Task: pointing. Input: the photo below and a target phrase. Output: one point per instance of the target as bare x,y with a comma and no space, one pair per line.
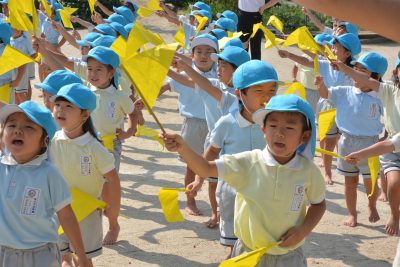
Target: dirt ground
146,239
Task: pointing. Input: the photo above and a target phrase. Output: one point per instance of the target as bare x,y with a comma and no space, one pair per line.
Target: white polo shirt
251,5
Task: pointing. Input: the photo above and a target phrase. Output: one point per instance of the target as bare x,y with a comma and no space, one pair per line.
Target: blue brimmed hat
350,28
252,73
219,33
57,79
291,103
373,62
116,18
5,33
204,39
126,13
202,6
105,29
105,40
203,13
226,24
323,38
128,27
234,42
79,95
230,15
232,54
103,55
36,113
120,29
90,37
348,41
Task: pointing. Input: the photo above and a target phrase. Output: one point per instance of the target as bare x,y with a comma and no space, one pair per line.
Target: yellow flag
12,58
91,5
202,22
169,203
19,20
373,164
147,132
304,40
297,89
237,34
269,44
267,33
119,47
5,93
147,71
139,36
329,53
330,153
83,205
70,10
325,122
316,66
276,23
144,12
65,18
35,19
154,5
108,141
47,8
250,259
180,37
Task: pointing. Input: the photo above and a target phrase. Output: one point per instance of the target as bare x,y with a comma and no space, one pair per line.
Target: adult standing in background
250,13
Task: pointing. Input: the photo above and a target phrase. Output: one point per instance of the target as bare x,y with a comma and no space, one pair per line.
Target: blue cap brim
46,87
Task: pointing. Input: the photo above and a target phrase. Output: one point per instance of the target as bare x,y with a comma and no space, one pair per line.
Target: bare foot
351,221
111,236
212,222
193,210
383,197
328,179
373,214
67,260
392,226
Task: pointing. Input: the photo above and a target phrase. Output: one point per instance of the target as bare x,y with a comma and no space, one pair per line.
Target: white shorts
47,255
390,162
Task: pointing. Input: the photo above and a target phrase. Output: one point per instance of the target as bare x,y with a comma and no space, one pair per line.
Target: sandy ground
146,239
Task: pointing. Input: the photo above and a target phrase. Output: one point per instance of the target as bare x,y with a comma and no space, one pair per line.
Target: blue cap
79,95
234,42
4,2
126,13
105,29
350,28
119,29
373,62
291,103
5,33
56,7
117,18
348,41
323,38
57,79
104,55
397,63
36,113
104,40
219,33
128,27
230,15
203,13
90,37
133,4
202,6
252,73
204,39
232,54
226,24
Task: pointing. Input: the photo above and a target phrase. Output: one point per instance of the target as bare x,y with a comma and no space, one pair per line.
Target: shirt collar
9,160
80,141
243,123
111,89
269,159
371,93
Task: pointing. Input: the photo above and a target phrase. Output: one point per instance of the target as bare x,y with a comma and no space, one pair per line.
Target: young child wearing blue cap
76,144
5,36
389,94
358,117
273,185
32,192
344,47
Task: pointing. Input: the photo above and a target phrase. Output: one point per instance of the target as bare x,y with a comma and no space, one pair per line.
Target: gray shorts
226,196
31,70
348,144
92,236
207,143
312,98
194,132
294,258
390,162
47,255
117,152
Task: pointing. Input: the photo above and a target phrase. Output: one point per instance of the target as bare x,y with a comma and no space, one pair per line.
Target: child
273,185
389,93
358,115
5,35
32,192
77,145
344,47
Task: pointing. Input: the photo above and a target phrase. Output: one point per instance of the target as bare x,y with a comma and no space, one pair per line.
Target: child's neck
104,86
203,69
282,160
22,159
246,114
74,133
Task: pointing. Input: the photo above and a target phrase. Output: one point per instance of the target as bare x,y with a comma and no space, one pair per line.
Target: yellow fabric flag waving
250,259
180,37
297,89
12,58
325,122
83,205
304,40
91,5
329,153
139,36
373,164
147,71
5,93
169,203
277,23
202,22
267,33
147,132
144,12
119,47
65,18
47,8
19,20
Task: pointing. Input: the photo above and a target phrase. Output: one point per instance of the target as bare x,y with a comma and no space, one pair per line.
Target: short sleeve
235,169
126,104
324,67
60,193
334,93
316,189
396,142
218,133
386,90
228,100
104,160
80,68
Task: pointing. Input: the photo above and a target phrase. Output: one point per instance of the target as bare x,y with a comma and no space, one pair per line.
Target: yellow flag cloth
119,47
147,71
144,12
329,153
277,23
202,22
154,5
169,203
180,37
147,132
297,89
12,58
250,259
267,33
91,5
374,167
65,18
83,205
108,141
304,40
269,44
20,21
139,36
237,34
316,67
35,19
325,122
70,10
329,52
47,8
5,93
39,57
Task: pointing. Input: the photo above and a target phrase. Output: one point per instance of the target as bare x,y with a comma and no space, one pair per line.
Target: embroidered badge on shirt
86,165
298,197
373,110
111,108
30,201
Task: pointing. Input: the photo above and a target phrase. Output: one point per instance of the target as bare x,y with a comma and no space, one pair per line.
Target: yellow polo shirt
271,198
112,105
82,161
389,94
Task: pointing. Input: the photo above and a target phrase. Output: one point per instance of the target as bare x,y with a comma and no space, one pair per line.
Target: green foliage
83,7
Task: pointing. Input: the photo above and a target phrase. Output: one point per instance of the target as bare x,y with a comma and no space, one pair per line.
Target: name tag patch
111,108
30,201
86,165
298,197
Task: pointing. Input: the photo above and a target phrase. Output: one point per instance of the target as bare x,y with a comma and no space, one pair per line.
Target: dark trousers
245,25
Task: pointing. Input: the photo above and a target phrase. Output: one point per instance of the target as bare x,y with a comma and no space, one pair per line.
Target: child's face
364,71
22,137
46,100
340,52
225,72
68,116
201,57
283,132
256,96
99,74
85,50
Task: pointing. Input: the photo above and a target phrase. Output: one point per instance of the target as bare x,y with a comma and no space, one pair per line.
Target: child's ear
306,136
238,94
85,114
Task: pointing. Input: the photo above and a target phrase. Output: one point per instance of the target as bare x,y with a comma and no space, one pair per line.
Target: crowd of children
254,146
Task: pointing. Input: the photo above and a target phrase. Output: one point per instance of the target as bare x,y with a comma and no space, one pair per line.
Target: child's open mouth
279,145
17,142
61,118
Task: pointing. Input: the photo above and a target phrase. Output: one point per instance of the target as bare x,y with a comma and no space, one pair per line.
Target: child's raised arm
182,79
103,8
313,19
299,59
67,36
322,90
84,23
